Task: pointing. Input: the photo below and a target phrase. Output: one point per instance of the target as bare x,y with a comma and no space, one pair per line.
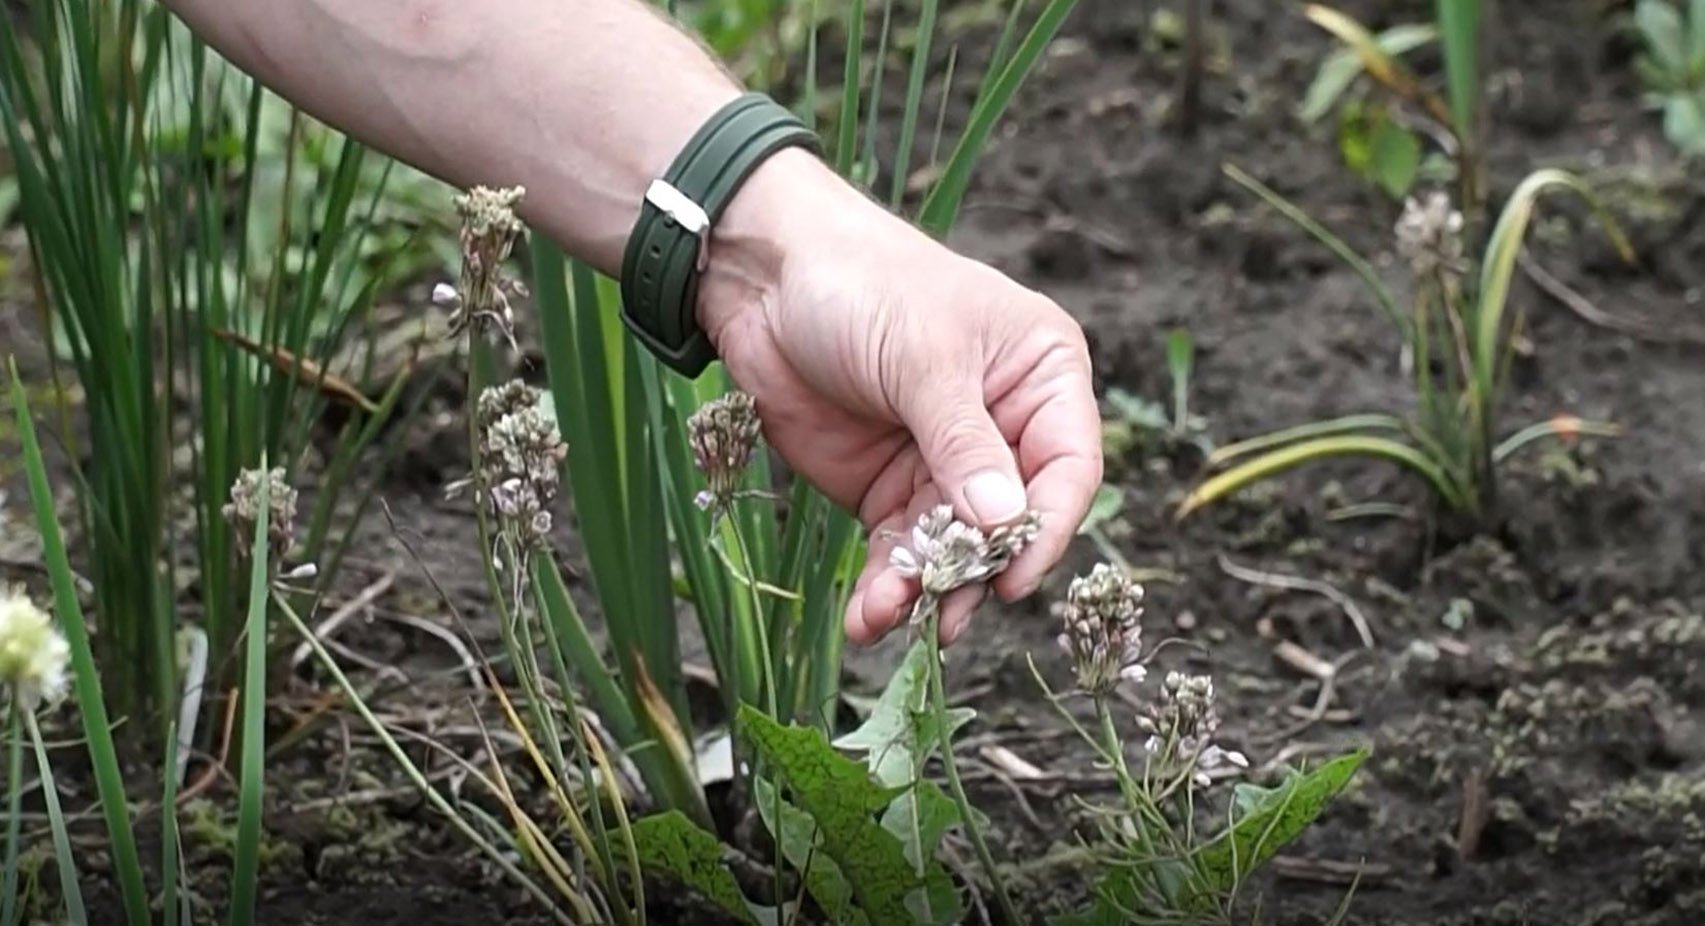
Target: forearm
583,102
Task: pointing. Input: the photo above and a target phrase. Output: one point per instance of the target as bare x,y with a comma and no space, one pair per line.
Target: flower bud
1103,629
723,434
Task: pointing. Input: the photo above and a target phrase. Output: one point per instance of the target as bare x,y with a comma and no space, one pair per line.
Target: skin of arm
891,372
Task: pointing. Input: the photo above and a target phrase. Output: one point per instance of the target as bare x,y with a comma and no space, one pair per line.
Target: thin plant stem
758,615
938,699
1115,748
431,794
14,807
760,620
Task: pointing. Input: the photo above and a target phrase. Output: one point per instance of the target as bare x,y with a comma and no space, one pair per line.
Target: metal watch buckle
686,213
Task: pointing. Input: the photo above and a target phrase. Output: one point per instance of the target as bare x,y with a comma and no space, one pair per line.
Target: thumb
968,458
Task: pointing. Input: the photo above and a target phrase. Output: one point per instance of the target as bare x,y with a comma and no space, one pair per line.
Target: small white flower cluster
723,433
1182,725
489,231
1103,629
243,510
947,553
33,653
521,453
1429,235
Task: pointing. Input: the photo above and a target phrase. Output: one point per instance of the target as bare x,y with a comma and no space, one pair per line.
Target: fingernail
994,497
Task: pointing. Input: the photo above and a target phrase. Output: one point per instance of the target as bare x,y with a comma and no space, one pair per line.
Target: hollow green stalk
956,787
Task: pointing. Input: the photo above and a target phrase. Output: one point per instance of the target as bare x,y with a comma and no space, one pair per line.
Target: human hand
896,375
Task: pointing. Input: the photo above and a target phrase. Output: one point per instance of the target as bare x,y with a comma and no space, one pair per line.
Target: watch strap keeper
673,239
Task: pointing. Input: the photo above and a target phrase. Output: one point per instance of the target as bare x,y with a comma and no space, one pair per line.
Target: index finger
1059,453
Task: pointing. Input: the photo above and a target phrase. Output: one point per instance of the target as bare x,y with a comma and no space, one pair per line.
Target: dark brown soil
1544,682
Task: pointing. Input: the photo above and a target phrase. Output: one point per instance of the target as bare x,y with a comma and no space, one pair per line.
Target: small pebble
1186,620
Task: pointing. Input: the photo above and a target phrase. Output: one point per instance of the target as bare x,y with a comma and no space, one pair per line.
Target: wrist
789,202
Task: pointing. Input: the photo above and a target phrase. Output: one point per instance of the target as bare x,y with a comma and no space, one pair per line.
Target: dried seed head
1009,540
521,454
947,553
489,230
1429,235
1186,719
1103,632
723,433
243,510
33,654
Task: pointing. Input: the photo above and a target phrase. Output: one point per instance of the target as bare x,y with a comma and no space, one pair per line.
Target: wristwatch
673,239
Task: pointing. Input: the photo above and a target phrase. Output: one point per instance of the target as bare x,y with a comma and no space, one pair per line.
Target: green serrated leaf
670,844
802,845
1395,158
1271,818
842,799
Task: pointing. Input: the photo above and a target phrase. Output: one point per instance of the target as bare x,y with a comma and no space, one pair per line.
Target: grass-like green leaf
941,208
1332,242
245,872
671,844
1696,39
1562,426
97,731
1332,426
1272,463
1503,248
71,894
1271,819
842,799
1344,65
1459,33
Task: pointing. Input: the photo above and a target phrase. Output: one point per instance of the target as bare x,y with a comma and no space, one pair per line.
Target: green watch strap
671,241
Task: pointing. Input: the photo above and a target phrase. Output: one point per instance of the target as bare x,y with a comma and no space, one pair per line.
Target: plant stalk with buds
947,554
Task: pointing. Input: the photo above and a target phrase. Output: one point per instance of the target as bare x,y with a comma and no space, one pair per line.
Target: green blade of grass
941,208
252,765
1268,465
914,101
1343,66
66,862
1562,426
14,808
1502,249
1301,432
103,757
1459,31
846,143
1332,242
169,833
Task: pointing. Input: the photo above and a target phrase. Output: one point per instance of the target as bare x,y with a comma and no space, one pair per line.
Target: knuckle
958,440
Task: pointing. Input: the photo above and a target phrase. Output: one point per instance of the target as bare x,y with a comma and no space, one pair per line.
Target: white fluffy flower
946,553
33,653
